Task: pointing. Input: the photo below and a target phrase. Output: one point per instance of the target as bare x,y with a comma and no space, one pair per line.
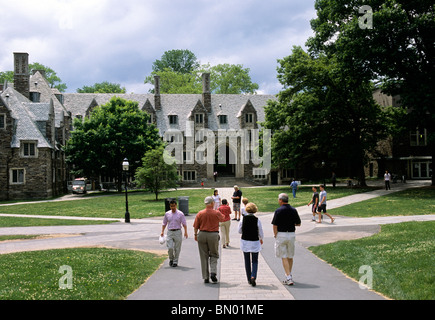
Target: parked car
79,186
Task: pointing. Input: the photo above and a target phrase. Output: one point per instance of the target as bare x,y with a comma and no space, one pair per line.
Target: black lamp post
125,168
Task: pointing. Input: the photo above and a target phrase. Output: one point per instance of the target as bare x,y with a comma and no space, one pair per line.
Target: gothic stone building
34,125
187,121
36,121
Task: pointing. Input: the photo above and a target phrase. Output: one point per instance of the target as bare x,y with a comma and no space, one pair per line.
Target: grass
416,201
10,222
143,205
97,274
401,256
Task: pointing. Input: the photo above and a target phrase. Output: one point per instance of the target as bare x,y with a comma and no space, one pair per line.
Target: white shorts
285,245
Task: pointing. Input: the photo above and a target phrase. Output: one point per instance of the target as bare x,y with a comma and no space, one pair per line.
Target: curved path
314,279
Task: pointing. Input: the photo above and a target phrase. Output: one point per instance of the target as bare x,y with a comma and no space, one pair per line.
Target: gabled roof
39,84
25,127
178,104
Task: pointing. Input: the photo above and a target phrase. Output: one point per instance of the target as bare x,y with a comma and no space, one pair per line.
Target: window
418,138
150,119
187,156
189,175
18,176
260,173
173,119
223,119
199,118
2,121
29,149
249,118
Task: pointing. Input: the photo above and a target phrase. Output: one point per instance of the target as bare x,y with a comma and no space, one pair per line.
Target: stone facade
34,126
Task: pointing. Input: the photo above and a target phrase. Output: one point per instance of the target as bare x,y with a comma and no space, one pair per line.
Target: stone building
189,122
34,126
408,155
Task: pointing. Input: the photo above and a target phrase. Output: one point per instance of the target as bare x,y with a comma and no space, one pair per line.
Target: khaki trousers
208,245
225,231
174,239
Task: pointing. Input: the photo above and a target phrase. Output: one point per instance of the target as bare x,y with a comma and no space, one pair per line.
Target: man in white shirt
387,178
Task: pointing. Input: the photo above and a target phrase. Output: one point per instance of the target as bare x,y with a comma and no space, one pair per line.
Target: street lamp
125,168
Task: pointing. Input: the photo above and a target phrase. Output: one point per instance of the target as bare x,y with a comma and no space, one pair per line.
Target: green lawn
143,205
417,201
402,257
97,274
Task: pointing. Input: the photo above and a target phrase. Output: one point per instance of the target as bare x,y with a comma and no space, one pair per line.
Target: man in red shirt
206,230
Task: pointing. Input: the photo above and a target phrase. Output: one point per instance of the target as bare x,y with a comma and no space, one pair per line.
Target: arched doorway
225,162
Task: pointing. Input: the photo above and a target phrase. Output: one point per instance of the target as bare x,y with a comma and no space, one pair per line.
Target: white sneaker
288,281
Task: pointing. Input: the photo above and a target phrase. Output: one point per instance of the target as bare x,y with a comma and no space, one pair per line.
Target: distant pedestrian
174,219
252,238
315,203
333,179
387,178
206,231
215,175
322,205
285,221
294,187
217,200
226,224
237,198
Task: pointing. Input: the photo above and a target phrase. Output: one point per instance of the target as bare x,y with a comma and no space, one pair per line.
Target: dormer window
199,118
35,97
173,119
249,118
223,119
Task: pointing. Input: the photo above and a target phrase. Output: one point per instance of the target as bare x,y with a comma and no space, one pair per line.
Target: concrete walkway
314,279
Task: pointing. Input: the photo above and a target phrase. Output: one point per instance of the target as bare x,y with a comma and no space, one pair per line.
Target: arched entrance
225,162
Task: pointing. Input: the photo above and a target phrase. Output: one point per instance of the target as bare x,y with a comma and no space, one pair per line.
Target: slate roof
177,104
25,127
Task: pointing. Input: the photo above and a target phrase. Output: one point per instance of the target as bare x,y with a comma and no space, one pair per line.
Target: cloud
89,41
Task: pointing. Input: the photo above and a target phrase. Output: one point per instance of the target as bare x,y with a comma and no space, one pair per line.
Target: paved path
314,279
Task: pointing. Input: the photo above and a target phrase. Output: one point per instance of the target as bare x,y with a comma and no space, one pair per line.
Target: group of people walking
215,216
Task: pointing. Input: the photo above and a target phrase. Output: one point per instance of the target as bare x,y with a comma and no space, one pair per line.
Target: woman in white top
252,238
217,200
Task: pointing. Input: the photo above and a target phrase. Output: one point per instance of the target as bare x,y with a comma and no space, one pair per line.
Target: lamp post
125,168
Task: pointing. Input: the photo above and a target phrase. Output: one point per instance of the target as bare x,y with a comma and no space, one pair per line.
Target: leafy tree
180,72
50,75
114,131
6,76
155,174
322,114
231,79
396,47
103,87
172,82
179,61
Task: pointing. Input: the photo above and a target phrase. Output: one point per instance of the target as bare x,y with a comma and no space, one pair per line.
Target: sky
91,41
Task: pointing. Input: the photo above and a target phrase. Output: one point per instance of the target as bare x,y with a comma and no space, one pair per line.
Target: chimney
157,97
21,73
206,94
